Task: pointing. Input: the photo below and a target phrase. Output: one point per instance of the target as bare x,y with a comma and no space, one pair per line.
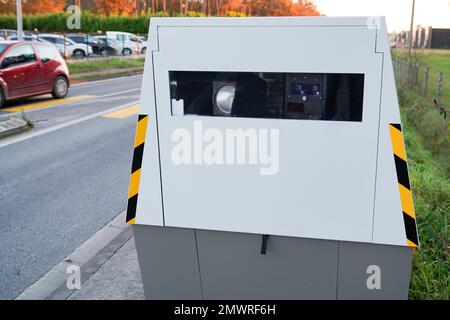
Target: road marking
47,103
62,125
123,113
97,98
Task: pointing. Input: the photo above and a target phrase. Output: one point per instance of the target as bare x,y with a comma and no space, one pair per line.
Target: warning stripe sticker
133,191
404,186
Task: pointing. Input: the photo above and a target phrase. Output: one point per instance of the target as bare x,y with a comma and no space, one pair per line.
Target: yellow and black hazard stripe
133,191
404,186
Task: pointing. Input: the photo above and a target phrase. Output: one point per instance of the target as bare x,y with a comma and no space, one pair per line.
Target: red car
29,69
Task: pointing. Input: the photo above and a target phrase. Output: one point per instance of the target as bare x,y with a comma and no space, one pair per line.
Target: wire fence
87,45
432,85
424,93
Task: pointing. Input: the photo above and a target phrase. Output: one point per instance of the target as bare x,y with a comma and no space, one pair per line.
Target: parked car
126,43
35,38
6,33
98,46
31,68
63,43
115,44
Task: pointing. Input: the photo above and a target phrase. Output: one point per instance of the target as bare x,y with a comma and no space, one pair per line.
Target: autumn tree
33,6
171,7
107,7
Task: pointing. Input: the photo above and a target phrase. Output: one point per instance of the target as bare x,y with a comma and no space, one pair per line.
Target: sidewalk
118,278
108,266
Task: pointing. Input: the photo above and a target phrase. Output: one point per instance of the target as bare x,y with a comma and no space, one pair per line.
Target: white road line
41,132
94,98
88,83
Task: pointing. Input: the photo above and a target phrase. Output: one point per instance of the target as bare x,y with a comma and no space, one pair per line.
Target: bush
57,22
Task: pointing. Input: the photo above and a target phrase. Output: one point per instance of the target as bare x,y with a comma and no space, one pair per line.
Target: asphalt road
65,179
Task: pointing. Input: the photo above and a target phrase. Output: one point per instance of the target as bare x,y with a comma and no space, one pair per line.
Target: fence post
425,85
441,81
87,46
138,44
416,77
410,74
400,70
65,48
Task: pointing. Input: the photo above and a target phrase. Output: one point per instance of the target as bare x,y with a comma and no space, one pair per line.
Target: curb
12,125
89,257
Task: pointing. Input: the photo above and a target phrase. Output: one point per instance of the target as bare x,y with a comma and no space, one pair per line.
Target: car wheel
60,87
2,97
79,53
104,52
144,50
127,52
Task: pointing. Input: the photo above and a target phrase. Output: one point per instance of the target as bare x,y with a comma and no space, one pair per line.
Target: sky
435,13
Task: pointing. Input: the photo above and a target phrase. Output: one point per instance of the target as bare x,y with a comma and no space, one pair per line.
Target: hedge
90,22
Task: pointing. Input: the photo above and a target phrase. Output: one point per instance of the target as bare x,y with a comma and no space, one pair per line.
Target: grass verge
99,64
438,61
428,154
104,68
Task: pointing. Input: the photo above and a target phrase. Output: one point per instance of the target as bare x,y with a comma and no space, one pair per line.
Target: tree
108,7
172,7
33,6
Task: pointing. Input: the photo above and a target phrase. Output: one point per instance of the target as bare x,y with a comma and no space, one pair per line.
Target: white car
33,38
126,43
68,47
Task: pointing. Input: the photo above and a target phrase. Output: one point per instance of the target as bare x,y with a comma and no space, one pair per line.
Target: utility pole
19,20
412,27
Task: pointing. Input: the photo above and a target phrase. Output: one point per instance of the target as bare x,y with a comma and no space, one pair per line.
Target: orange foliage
107,7
209,7
33,6
282,8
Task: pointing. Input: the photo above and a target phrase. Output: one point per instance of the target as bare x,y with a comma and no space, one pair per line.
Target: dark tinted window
24,38
50,39
78,39
46,53
54,40
3,47
19,55
306,96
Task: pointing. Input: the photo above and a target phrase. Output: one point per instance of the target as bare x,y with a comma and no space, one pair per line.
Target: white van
126,43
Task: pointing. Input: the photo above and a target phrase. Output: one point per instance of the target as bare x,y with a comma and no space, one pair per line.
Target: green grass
93,65
429,173
428,148
438,61
431,188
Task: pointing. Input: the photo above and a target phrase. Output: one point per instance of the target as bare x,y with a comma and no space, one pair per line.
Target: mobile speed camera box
269,162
